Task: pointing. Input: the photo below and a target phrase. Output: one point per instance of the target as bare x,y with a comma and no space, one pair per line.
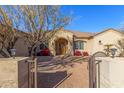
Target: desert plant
9,22
108,49
120,47
41,23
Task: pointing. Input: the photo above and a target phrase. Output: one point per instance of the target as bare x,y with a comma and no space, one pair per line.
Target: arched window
79,45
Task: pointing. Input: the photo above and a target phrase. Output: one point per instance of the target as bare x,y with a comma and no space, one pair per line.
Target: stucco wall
111,72
108,37
89,46
13,72
21,47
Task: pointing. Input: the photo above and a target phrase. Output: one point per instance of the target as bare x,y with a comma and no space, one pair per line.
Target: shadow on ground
49,80
52,72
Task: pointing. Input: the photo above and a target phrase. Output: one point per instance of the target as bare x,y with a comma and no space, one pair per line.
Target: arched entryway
61,46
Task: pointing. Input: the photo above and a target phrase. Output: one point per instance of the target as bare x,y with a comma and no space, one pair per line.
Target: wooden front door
61,46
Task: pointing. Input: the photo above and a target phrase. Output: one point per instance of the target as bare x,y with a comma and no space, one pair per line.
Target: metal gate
94,69
32,73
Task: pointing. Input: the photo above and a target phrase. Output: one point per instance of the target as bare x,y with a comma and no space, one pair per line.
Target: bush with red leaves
45,52
85,53
77,53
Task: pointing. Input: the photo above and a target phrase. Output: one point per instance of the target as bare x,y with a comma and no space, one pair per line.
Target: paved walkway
51,75
79,77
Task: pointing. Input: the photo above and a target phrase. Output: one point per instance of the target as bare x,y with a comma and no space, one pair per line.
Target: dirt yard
53,77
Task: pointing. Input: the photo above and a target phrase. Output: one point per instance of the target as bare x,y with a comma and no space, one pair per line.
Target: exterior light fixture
100,42
113,52
13,53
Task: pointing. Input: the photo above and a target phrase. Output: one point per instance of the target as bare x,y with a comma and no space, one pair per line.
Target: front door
61,46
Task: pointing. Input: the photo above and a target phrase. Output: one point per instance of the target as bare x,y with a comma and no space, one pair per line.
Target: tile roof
79,34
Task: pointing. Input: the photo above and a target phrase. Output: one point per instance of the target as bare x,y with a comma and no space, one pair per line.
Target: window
79,45
82,45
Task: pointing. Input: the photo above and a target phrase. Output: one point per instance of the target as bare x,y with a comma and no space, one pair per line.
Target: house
66,41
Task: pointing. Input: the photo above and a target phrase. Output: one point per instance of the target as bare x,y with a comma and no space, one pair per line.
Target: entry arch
61,46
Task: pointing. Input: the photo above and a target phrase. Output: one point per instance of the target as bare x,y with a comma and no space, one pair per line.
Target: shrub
45,52
85,53
77,53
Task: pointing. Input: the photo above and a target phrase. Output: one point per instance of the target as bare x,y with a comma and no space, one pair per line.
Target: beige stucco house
66,41
107,37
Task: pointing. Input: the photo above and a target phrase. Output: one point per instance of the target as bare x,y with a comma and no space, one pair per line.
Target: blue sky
94,18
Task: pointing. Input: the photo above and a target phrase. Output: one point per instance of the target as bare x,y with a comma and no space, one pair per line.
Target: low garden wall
13,72
111,72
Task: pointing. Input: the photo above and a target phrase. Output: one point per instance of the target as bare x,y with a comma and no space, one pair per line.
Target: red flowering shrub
45,52
77,53
85,53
